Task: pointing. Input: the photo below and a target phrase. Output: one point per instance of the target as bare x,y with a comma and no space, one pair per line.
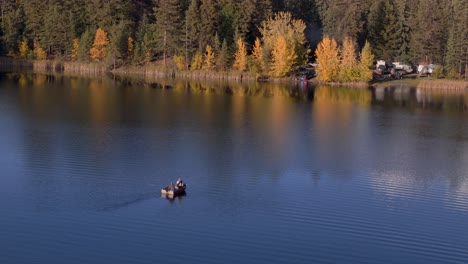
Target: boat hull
178,191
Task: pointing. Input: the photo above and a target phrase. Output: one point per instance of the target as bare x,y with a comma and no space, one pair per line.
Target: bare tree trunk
186,47
164,48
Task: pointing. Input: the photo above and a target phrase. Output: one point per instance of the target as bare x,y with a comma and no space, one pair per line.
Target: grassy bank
443,85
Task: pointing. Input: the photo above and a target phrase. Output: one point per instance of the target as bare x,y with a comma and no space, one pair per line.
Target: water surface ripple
276,174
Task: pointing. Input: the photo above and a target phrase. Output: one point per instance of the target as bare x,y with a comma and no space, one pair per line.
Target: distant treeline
141,31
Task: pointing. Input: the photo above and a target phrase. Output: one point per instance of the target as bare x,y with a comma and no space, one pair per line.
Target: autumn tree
99,50
197,61
24,49
283,57
328,59
366,61
76,46
257,57
39,53
180,62
130,48
292,31
209,62
240,57
348,70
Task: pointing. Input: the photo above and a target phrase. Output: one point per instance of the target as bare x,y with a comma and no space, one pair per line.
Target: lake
276,173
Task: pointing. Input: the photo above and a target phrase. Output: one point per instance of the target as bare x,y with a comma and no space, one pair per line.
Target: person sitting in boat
171,187
179,183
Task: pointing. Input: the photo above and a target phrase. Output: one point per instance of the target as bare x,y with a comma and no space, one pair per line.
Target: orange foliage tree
257,57
99,50
283,58
240,57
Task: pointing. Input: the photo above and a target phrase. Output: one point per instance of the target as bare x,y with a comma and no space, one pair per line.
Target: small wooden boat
174,191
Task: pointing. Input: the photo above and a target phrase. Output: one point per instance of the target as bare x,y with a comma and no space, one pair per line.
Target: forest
141,31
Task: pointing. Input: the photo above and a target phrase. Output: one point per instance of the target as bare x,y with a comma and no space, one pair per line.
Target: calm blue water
275,174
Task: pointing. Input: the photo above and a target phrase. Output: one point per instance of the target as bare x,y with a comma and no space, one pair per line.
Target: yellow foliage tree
180,62
99,50
283,58
197,62
240,57
209,58
348,69
257,56
291,29
76,47
366,62
328,59
24,49
39,53
130,47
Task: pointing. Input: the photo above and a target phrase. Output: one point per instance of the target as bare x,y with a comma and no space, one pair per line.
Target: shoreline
155,71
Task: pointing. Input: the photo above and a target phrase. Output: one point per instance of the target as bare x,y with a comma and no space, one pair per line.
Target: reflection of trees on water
443,101
358,96
248,89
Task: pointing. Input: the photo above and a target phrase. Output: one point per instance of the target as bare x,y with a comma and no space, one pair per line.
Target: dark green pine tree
209,22
35,14
341,18
76,10
118,43
261,13
301,9
168,23
386,30
58,27
192,29
456,56
13,26
428,34
105,13
86,42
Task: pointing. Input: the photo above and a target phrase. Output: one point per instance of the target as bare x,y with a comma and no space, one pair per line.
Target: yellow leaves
291,29
99,50
39,53
76,46
328,60
180,62
366,62
130,47
24,49
257,57
209,58
240,57
366,56
342,66
283,58
348,71
197,62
